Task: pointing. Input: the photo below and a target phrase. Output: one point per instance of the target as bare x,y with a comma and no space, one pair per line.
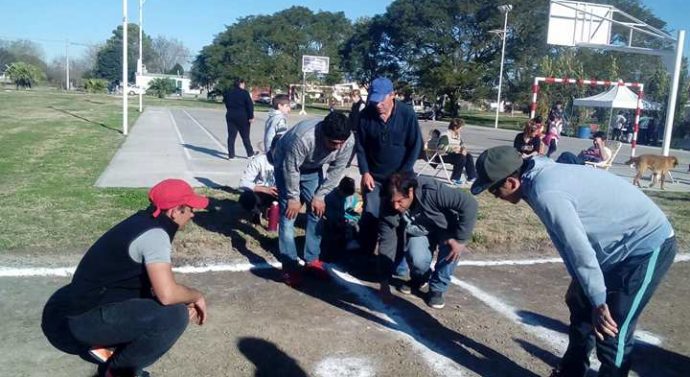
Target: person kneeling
258,184
430,214
123,307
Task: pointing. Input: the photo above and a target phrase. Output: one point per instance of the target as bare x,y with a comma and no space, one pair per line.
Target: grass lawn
511,122
55,146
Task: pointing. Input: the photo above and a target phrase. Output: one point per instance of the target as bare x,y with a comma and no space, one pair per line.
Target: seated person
430,147
528,142
550,140
343,211
598,153
258,184
457,154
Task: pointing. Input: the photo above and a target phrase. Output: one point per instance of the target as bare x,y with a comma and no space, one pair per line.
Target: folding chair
615,147
434,150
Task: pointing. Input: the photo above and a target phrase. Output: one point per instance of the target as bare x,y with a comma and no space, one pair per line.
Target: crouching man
424,213
123,307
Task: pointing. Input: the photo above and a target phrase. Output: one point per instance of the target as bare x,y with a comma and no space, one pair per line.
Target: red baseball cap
171,193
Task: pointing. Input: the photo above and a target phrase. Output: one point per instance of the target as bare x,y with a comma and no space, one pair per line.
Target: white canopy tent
618,97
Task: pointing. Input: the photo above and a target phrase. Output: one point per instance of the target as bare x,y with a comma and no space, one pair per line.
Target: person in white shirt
258,184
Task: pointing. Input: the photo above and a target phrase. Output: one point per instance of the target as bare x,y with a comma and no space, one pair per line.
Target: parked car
423,109
135,90
264,98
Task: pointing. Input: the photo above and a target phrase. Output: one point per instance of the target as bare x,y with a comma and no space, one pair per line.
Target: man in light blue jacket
615,242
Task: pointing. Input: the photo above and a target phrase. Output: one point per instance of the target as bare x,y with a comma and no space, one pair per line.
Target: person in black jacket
239,115
388,140
357,106
425,213
123,308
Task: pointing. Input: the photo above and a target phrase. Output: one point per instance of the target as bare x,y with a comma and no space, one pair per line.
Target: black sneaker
405,287
436,300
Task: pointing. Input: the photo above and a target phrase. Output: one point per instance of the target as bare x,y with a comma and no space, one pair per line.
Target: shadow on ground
86,119
269,359
211,152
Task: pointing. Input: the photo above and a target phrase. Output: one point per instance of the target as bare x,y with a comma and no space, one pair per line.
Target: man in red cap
123,307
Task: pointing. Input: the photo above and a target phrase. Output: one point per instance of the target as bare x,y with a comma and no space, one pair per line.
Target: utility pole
504,9
123,84
140,62
67,65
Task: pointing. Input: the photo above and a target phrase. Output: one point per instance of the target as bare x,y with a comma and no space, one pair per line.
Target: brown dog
659,165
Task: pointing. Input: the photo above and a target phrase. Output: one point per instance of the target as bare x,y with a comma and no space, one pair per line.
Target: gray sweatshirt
594,218
276,124
444,212
303,149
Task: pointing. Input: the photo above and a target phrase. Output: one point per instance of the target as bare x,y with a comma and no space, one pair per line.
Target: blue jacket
594,218
390,147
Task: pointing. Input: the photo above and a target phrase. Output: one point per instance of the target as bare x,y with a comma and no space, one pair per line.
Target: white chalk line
441,364
68,271
344,367
179,135
556,340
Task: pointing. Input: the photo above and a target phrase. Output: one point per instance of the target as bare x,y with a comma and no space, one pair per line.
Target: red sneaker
101,354
293,278
317,269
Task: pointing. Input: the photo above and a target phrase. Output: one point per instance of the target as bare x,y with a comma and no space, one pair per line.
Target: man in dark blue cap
388,141
616,263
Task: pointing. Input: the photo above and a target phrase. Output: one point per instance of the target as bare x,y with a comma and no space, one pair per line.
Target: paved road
190,143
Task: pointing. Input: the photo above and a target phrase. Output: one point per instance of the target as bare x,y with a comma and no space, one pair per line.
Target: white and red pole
636,127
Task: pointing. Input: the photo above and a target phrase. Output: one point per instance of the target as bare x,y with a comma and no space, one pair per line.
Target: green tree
21,51
162,87
24,75
176,70
267,50
109,58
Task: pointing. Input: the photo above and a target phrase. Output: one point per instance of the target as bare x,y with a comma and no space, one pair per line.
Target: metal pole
67,65
140,63
671,107
123,85
304,83
500,74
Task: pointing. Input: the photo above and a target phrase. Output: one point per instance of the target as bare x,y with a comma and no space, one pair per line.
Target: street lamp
504,9
123,84
140,62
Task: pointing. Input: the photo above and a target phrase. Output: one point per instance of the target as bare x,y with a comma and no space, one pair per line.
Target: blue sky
195,23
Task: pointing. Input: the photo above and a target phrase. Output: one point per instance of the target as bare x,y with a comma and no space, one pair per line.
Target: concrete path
190,143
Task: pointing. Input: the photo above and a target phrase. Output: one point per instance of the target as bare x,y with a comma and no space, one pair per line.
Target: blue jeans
143,330
308,184
419,253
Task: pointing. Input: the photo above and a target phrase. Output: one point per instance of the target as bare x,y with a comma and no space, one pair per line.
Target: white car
135,90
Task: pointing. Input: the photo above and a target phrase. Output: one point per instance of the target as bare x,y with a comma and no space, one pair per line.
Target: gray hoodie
276,124
594,218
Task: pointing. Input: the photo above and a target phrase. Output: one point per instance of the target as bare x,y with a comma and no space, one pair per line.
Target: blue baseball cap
379,89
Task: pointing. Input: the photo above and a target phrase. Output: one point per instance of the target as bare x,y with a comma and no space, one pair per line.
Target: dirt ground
507,320
260,327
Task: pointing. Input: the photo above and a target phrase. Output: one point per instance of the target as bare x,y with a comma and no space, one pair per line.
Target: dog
659,165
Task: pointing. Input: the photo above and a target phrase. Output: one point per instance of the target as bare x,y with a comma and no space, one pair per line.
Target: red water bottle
273,216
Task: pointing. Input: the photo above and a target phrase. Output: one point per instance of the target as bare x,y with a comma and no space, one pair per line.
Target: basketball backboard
575,22
315,64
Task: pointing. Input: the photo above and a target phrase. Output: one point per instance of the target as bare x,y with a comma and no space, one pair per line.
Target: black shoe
436,300
409,286
405,287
